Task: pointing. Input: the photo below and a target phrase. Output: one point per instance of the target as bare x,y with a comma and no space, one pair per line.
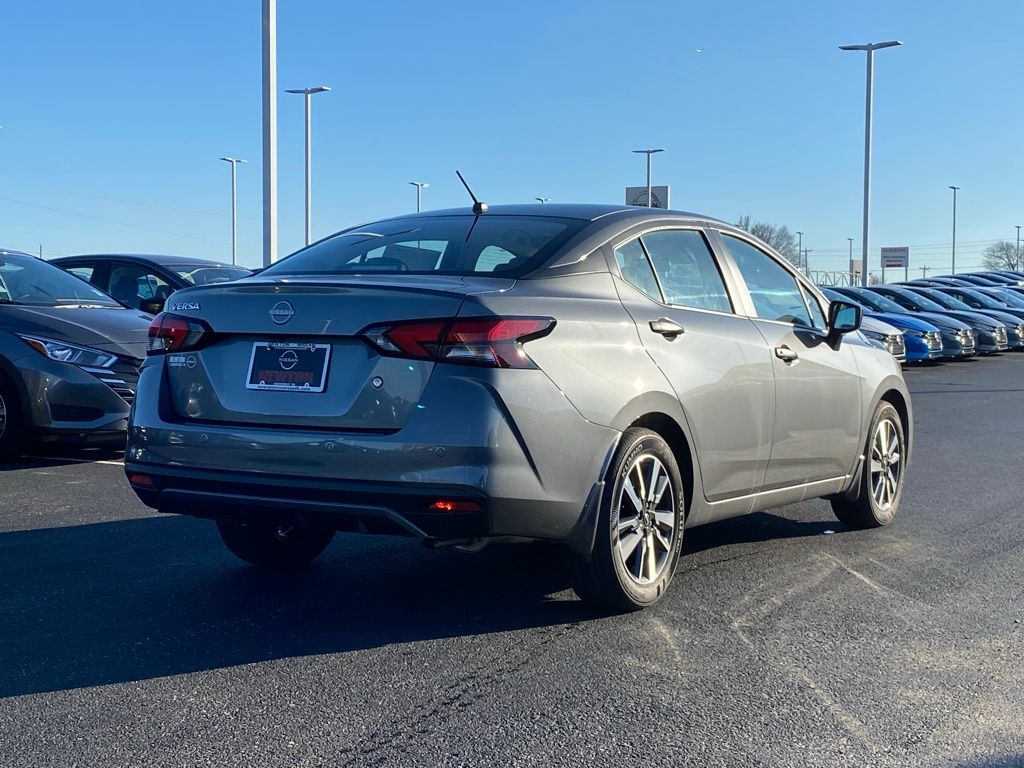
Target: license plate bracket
279,366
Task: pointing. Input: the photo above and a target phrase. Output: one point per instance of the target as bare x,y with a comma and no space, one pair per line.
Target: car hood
944,321
121,331
906,322
875,324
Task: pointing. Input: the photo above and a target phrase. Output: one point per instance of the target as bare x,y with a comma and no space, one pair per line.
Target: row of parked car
73,335
942,318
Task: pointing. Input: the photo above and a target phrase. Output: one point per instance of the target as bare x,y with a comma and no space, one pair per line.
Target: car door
715,360
817,433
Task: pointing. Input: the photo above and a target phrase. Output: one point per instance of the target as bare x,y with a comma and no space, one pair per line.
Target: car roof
8,252
584,211
152,258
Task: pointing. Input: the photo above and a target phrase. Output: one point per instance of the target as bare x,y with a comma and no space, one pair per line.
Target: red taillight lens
171,333
445,505
492,341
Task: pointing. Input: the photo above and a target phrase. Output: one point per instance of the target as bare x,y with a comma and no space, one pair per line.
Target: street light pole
269,132
799,246
870,48
850,265
234,206
954,226
648,152
420,185
1016,258
307,94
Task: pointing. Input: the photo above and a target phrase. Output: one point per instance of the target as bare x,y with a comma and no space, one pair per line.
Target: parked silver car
593,375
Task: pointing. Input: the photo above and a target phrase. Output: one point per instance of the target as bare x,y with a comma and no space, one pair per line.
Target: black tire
273,545
863,508
14,437
609,580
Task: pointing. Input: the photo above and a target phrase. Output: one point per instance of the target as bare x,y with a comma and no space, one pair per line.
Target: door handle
786,355
667,328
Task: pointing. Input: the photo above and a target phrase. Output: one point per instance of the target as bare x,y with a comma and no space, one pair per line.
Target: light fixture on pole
420,186
648,152
269,132
870,48
543,200
307,94
954,226
234,206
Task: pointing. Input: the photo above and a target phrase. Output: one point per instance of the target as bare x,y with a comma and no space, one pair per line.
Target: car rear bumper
506,440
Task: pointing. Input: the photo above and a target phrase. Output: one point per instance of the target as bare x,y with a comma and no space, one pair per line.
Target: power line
109,221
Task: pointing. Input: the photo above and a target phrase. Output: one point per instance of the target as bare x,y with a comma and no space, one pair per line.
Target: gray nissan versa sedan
69,356
598,376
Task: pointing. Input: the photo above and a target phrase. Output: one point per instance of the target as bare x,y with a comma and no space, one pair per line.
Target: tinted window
492,244
774,291
687,270
198,275
636,269
83,272
132,285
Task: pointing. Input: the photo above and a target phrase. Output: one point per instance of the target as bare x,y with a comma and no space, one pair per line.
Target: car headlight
63,352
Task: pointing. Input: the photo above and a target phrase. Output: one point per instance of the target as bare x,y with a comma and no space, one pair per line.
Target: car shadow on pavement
136,599
59,455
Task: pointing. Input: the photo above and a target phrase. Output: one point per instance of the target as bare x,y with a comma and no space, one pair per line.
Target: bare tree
779,238
1000,255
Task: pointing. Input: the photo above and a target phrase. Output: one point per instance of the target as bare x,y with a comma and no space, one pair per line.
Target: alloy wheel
886,464
645,519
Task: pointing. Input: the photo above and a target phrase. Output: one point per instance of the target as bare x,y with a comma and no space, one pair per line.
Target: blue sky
115,113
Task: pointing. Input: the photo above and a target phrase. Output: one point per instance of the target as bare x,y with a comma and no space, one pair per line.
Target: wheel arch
673,433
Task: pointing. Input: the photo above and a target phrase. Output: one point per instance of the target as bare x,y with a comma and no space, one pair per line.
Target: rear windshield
203,275
505,246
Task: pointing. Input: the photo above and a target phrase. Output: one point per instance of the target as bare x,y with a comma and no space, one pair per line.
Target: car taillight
495,342
172,333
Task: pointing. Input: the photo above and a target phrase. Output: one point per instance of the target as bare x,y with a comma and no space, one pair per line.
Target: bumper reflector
444,505
143,481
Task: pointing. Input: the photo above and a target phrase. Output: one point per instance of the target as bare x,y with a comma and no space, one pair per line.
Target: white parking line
77,461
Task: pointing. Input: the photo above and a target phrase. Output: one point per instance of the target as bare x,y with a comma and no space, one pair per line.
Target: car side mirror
152,306
843,317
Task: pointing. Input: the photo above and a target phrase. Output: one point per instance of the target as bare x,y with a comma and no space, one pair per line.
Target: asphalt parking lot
129,639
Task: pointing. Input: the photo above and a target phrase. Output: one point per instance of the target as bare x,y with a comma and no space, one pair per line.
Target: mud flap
581,540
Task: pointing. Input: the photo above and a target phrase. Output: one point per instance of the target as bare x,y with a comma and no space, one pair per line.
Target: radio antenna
478,207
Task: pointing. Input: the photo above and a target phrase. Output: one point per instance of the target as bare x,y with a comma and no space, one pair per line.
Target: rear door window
131,285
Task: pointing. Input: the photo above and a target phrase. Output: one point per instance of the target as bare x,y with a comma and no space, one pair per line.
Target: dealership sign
638,196
896,257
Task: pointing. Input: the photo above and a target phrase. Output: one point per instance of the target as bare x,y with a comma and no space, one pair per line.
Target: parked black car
142,281
1014,327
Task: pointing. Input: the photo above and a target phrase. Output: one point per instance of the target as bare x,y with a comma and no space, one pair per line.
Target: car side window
775,292
817,315
687,270
83,272
636,269
132,285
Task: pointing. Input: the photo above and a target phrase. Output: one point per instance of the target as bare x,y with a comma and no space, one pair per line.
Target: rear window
505,246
